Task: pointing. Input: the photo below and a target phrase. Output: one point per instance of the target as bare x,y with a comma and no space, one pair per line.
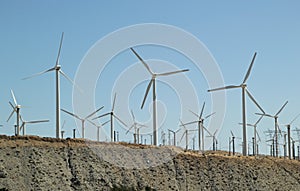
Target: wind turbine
112,116
288,126
201,127
83,120
153,84
174,135
29,122
275,117
255,132
16,108
233,142
215,141
58,71
186,132
98,128
136,127
243,85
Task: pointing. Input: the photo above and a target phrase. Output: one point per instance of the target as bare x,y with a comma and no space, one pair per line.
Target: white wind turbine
22,128
153,84
16,108
83,120
58,71
254,133
136,127
243,85
112,116
201,127
98,128
275,117
215,141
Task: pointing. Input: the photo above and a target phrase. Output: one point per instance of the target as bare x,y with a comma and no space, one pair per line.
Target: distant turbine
58,71
83,120
16,109
186,133
201,127
136,127
215,141
152,83
255,133
275,117
29,122
174,135
288,126
112,116
98,128
243,85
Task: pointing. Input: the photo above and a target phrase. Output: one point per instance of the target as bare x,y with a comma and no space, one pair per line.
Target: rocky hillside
33,163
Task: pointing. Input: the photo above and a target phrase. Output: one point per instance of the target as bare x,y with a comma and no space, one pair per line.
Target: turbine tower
153,84
83,120
58,71
275,117
243,86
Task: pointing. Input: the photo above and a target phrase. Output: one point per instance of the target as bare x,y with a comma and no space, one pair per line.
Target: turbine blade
294,119
232,134
22,126
223,88
258,136
210,115
207,130
264,114
63,124
100,116
39,121
129,129
182,125
12,106
195,114
114,102
258,120
105,123
215,132
90,115
133,117
144,63
249,69
174,72
281,108
189,123
182,136
146,93
72,114
13,96
254,101
92,123
10,115
60,45
38,74
202,110
120,120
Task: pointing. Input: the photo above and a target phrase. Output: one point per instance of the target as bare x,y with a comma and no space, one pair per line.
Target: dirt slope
33,163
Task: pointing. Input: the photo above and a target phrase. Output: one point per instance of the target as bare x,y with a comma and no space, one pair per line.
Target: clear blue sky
231,30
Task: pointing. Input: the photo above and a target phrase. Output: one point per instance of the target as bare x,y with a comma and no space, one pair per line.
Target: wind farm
136,96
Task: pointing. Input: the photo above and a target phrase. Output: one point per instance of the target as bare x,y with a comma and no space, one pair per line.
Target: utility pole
74,133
